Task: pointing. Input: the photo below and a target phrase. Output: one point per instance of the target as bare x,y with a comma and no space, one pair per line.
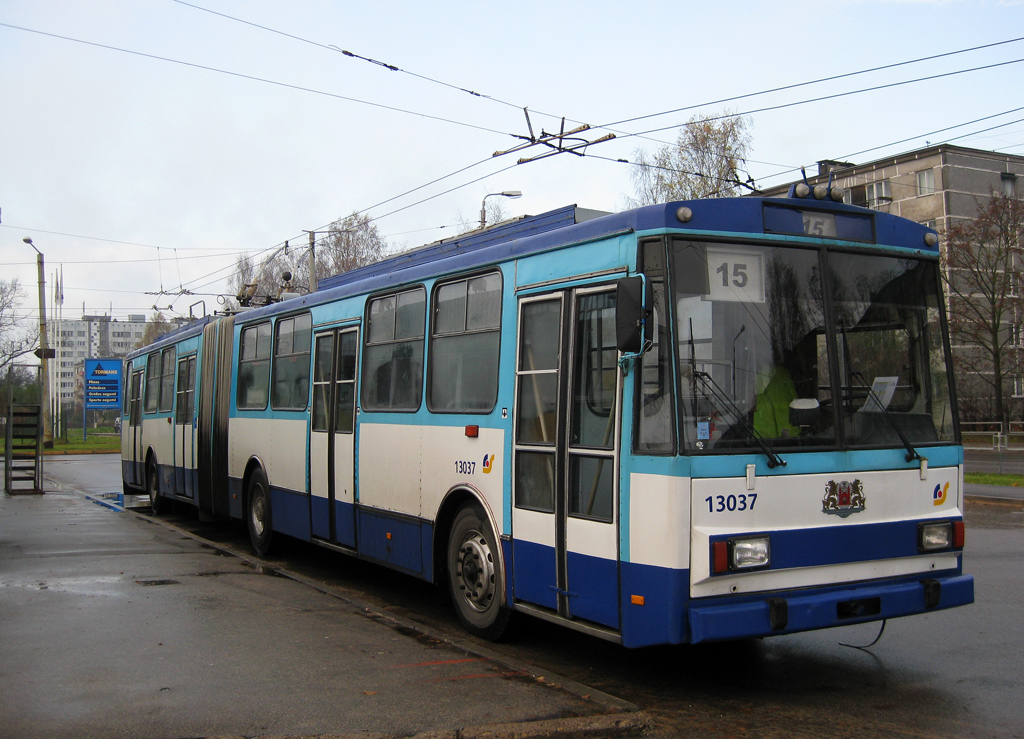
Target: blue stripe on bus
398,542
835,545
797,463
344,521
594,589
533,572
658,619
289,512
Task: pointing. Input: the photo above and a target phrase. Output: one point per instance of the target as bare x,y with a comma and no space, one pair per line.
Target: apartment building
938,186
90,337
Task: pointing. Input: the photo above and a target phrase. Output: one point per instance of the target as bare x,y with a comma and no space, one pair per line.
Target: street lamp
513,194
43,348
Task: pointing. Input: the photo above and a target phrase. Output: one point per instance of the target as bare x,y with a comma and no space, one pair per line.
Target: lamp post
513,194
44,350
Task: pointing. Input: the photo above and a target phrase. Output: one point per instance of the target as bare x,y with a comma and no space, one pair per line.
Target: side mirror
633,324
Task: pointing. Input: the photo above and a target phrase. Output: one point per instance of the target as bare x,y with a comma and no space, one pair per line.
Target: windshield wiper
872,395
774,460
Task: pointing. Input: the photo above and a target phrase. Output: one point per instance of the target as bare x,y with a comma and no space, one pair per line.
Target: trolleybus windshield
762,357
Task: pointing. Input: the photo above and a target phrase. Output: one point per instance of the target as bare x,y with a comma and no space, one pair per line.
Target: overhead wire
837,95
254,78
640,134
99,238
793,170
386,65
796,85
394,68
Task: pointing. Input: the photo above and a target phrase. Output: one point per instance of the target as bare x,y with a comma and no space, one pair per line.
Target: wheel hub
475,571
258,512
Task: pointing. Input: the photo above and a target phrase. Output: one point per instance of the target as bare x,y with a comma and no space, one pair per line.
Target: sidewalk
115,626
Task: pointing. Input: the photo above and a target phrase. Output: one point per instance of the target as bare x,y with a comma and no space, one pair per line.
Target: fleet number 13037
721,503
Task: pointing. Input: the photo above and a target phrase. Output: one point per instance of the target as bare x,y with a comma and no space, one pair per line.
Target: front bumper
804,610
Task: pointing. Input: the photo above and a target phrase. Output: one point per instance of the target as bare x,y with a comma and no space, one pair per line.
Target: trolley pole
44,350
312,262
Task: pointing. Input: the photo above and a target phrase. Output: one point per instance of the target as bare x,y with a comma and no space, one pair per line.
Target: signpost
102,388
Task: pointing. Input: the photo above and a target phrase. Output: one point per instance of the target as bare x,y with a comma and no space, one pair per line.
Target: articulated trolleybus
688,422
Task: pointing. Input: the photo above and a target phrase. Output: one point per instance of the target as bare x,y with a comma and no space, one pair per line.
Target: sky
145,144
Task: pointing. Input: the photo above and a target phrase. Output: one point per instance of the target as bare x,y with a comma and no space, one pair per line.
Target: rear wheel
258,513
475,577
153,489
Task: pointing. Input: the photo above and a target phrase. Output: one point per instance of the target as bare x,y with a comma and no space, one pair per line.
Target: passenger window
291,363
464,345
185,406
152,382
254,367
167,380
393,360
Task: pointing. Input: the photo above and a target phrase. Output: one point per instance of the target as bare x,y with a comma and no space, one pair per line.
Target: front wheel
258,513
475,578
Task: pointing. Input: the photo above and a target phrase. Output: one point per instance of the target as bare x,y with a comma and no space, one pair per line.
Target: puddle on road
93,585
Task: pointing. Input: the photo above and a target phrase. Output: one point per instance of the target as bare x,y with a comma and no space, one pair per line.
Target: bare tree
12,343
351,242
704,162
982,272
156,326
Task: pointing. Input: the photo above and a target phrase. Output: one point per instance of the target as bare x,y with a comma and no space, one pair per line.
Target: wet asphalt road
949,674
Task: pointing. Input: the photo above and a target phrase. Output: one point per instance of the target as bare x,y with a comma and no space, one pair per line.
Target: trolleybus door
185,429
332,437
136,475
565,513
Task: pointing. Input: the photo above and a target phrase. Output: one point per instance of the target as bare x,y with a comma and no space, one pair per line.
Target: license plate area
860,608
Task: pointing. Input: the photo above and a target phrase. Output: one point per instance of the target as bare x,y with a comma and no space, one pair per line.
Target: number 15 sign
735,274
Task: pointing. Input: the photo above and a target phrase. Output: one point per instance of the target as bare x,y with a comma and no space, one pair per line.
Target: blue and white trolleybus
687,422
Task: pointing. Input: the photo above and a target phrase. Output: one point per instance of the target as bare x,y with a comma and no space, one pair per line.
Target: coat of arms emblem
843,498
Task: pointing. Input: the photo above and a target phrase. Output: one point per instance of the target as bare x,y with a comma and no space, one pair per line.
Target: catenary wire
834,96
394,68
254,78
810,82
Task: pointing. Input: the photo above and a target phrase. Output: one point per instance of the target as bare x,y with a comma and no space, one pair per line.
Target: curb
987,500
594,727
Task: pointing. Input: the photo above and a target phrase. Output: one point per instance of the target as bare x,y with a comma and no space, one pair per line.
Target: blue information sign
102,384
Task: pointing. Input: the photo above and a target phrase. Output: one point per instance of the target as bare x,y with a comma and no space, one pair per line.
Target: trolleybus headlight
749,553
934,536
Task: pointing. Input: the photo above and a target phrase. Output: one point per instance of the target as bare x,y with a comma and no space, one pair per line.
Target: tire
156,503
257,513
475,578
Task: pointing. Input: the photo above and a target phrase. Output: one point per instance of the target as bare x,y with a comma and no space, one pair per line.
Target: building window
878,193
1009,182
926,182
291,363
254,367
464,345
393,360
